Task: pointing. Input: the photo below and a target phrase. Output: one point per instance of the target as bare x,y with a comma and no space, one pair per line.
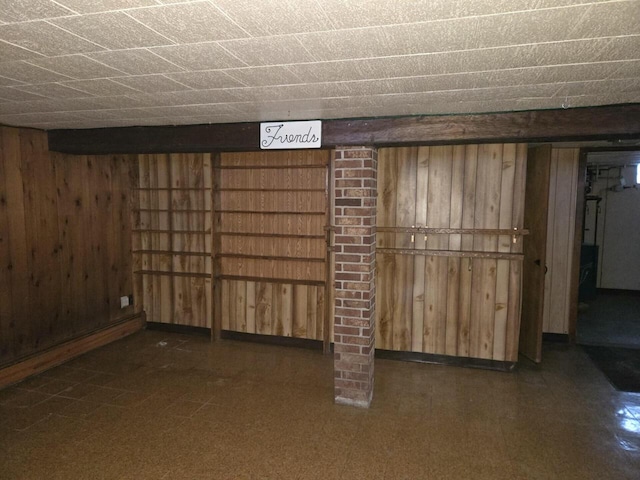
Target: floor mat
620,365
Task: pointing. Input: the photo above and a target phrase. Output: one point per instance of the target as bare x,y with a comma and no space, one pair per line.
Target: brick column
355,249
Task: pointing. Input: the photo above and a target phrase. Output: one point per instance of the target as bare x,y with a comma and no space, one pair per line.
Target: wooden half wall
65,243
449,249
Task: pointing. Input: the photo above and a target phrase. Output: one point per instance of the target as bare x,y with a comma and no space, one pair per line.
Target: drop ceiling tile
205,80
10,94
6,82
101,87
98,114
112,30
152,83
629,68
51,105
277,17
52,90
620,48
10,53
446,36
27,73
200,56
192,97
77,67
194,110
607,20
136,62
262,76
46,39
24,10
121,101
274,51
95,6
579,72
189,22
598,87
20,119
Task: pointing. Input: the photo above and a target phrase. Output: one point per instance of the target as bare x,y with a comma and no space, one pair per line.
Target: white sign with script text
290,135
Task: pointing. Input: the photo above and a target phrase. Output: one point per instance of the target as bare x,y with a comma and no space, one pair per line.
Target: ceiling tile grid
104,63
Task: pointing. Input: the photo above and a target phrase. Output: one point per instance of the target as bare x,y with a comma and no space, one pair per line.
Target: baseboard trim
617,291
467,362
272,340
59,354
183,329
555,337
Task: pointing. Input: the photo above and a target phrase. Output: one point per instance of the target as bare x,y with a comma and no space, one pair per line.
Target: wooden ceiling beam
577,124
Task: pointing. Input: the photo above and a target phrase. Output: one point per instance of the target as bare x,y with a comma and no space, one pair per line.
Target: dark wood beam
577,124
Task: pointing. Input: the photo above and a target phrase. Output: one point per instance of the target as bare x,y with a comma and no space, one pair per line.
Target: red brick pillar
355,250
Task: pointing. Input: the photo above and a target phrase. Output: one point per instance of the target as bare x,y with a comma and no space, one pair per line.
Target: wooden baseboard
64,352
467,362
182,329
555,337
617,291
272,340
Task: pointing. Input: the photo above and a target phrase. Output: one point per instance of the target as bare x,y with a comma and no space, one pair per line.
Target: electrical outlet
124,301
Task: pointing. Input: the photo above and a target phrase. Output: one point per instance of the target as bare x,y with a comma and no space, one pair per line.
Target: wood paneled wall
563,194
270,218
449,273
65,243
172,238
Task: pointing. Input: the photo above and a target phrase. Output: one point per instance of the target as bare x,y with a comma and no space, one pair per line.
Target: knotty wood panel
273,308
271,213
450,304
173,240
560,235
65,243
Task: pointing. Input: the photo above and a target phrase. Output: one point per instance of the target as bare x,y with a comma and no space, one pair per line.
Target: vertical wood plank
422,191
8,213
250,307
264,299
300,311
455,243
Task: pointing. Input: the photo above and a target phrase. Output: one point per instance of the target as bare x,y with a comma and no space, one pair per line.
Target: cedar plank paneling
61,238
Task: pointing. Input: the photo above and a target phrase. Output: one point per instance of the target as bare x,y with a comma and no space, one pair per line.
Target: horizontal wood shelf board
270,212
168,252
173,274
187,232
169,189
288,281
266,167
264,257
271,235
452,253
269,190
453,231
164,210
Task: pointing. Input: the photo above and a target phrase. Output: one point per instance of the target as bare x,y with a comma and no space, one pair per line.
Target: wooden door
271,210
563,195
535,246
448,257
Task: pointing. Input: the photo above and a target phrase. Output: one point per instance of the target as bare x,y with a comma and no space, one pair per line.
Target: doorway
609,294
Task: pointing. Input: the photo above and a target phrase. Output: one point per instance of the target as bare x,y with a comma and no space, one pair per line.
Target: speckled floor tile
163,406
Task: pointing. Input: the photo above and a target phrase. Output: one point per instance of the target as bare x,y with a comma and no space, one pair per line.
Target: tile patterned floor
168,406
